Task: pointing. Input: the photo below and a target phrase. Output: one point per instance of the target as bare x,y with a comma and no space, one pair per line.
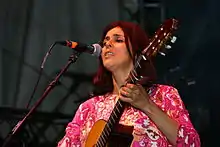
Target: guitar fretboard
113,119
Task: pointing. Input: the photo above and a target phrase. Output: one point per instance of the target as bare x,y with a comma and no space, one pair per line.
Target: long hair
102,81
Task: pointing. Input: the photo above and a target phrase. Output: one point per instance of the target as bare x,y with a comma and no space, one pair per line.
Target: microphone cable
40,74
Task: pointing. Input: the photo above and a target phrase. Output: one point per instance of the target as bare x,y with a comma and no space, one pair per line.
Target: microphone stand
20,124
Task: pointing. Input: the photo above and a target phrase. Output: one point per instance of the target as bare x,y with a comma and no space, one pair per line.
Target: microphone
94,49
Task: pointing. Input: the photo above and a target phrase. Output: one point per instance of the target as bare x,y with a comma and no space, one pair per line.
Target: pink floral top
145,133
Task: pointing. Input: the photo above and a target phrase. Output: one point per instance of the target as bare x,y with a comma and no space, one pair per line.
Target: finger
139,86
133,87
142,89
125,99
124,93
128,90
129,85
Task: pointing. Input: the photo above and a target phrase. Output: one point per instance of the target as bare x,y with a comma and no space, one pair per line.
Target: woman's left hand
136,95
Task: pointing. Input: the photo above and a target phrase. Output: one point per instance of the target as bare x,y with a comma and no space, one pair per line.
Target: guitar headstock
157,43
161,38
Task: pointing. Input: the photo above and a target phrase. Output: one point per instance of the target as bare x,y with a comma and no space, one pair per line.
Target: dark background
29,27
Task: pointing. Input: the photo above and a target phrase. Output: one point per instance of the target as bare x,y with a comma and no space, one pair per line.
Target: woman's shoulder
92,103
88,105
164,93
167,97
92,100
163,88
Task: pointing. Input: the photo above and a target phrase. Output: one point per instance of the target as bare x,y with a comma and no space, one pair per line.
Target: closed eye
119,40
116,40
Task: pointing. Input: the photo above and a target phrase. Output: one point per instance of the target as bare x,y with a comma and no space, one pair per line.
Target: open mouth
108,53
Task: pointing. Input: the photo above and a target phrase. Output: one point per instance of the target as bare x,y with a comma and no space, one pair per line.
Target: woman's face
114,52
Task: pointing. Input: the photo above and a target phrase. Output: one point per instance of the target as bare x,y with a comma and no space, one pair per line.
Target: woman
156,112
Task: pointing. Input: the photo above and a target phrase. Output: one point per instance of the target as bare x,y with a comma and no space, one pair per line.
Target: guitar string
112,120
119,106
107,129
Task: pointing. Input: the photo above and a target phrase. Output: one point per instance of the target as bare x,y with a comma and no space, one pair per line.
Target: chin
109,66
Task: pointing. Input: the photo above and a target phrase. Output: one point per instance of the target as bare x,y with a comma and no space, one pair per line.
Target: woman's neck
119,79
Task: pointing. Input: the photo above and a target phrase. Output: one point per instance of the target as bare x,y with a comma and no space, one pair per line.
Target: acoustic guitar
100,134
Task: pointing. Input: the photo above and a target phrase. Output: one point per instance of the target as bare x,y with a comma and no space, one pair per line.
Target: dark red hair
139,40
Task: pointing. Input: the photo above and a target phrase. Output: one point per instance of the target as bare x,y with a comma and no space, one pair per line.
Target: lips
108,53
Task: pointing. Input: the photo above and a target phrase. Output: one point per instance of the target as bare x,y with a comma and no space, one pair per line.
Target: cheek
102,59
102,56
121,48
124,53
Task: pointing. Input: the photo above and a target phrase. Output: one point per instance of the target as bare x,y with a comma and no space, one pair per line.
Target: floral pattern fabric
145,133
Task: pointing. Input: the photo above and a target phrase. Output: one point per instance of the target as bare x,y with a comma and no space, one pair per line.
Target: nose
108,44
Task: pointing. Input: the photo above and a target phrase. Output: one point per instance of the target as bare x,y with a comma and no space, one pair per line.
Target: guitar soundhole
121,136
120,140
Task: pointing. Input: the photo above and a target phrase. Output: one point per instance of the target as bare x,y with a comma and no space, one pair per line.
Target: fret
138,61
101,142
117,109
113,112
138,64
135,78
105,135
111,121
103,139
108,128
132,80
135,72
119,103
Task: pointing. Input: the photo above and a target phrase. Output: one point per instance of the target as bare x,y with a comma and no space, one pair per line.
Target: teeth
108,53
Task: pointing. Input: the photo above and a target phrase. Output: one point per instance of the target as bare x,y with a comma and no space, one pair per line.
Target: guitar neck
116,114
113,119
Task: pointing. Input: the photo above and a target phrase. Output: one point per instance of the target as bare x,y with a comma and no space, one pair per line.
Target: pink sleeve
187,136
73,129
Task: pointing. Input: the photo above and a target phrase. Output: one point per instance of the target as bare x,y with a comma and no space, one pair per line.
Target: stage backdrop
29,27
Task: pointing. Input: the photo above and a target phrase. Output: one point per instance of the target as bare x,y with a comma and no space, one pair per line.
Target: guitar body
95,133
121,136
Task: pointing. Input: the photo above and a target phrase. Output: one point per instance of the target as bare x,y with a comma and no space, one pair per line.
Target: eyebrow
115,35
